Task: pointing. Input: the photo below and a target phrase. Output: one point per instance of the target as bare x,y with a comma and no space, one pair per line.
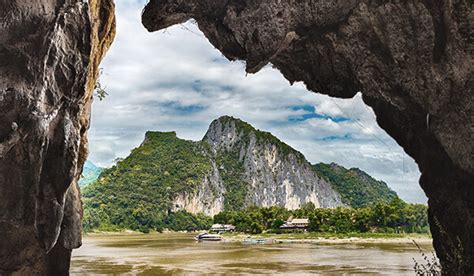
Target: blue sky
175,80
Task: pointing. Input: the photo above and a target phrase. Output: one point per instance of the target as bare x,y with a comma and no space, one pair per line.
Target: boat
208,237
257,241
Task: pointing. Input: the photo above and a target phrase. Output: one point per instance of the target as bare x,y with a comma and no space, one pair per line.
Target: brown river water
179,254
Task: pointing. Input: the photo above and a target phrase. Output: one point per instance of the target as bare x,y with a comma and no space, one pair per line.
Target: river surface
179,254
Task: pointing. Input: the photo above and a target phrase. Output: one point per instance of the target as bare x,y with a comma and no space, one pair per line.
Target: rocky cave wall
412,61
49,56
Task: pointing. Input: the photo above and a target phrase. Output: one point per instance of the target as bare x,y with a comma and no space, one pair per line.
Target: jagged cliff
255,168
412,61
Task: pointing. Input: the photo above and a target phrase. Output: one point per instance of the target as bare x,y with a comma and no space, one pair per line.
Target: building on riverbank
296,224
222,228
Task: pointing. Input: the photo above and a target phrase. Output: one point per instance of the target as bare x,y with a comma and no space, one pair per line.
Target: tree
277,223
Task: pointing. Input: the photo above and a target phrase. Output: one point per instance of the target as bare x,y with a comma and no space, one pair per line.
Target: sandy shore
355,240
408,240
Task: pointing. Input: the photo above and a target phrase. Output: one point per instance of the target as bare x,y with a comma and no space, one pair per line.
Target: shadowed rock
412,60
49,56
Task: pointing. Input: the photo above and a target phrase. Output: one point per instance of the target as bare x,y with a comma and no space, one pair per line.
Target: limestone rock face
268,172
49,56
412,60
276,174
209,197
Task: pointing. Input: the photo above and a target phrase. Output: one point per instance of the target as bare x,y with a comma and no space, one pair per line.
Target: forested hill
234,167
357,188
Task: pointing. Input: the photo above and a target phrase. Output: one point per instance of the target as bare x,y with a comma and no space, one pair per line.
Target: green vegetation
382,220
396,217
138,192
357,188
95,220
232,173
253,219
100,90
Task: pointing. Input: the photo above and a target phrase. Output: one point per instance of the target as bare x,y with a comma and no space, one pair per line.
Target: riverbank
332,238
301,238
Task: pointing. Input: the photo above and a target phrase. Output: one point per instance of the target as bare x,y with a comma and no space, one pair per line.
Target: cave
411,60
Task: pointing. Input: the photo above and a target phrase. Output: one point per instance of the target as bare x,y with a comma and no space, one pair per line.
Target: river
179,254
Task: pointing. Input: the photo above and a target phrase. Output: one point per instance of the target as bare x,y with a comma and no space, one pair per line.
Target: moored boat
257,241
208,237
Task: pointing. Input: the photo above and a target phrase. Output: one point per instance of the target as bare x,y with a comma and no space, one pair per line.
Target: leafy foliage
99,90
232,173
357,188
138,192
253,219
394,217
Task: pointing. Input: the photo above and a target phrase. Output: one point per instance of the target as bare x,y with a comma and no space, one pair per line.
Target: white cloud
175,80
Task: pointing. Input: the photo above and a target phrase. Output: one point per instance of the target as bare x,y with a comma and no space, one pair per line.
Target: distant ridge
90,174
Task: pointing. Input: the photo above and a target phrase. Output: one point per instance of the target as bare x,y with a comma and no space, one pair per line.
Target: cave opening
153,86
412,62
196,85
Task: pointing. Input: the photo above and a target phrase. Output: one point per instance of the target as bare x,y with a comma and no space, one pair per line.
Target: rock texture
259,167
49,56
275,173
412,60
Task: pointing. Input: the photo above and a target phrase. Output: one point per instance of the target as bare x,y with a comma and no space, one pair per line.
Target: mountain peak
233,122
227,131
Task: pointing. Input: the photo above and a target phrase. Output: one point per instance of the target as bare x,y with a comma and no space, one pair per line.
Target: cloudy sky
176,80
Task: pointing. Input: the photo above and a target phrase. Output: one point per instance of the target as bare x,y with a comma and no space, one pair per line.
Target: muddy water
179,254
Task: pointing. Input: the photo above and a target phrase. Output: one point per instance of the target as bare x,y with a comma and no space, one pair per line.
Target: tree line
394,217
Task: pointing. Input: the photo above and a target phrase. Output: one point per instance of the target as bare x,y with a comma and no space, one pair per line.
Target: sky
175,80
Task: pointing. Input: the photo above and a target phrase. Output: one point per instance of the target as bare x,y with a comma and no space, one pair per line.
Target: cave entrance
196,85
175,81
416,75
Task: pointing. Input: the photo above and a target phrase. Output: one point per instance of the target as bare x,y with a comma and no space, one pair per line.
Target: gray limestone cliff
251,167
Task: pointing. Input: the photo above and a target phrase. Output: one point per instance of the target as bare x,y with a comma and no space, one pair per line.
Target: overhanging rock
412,60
